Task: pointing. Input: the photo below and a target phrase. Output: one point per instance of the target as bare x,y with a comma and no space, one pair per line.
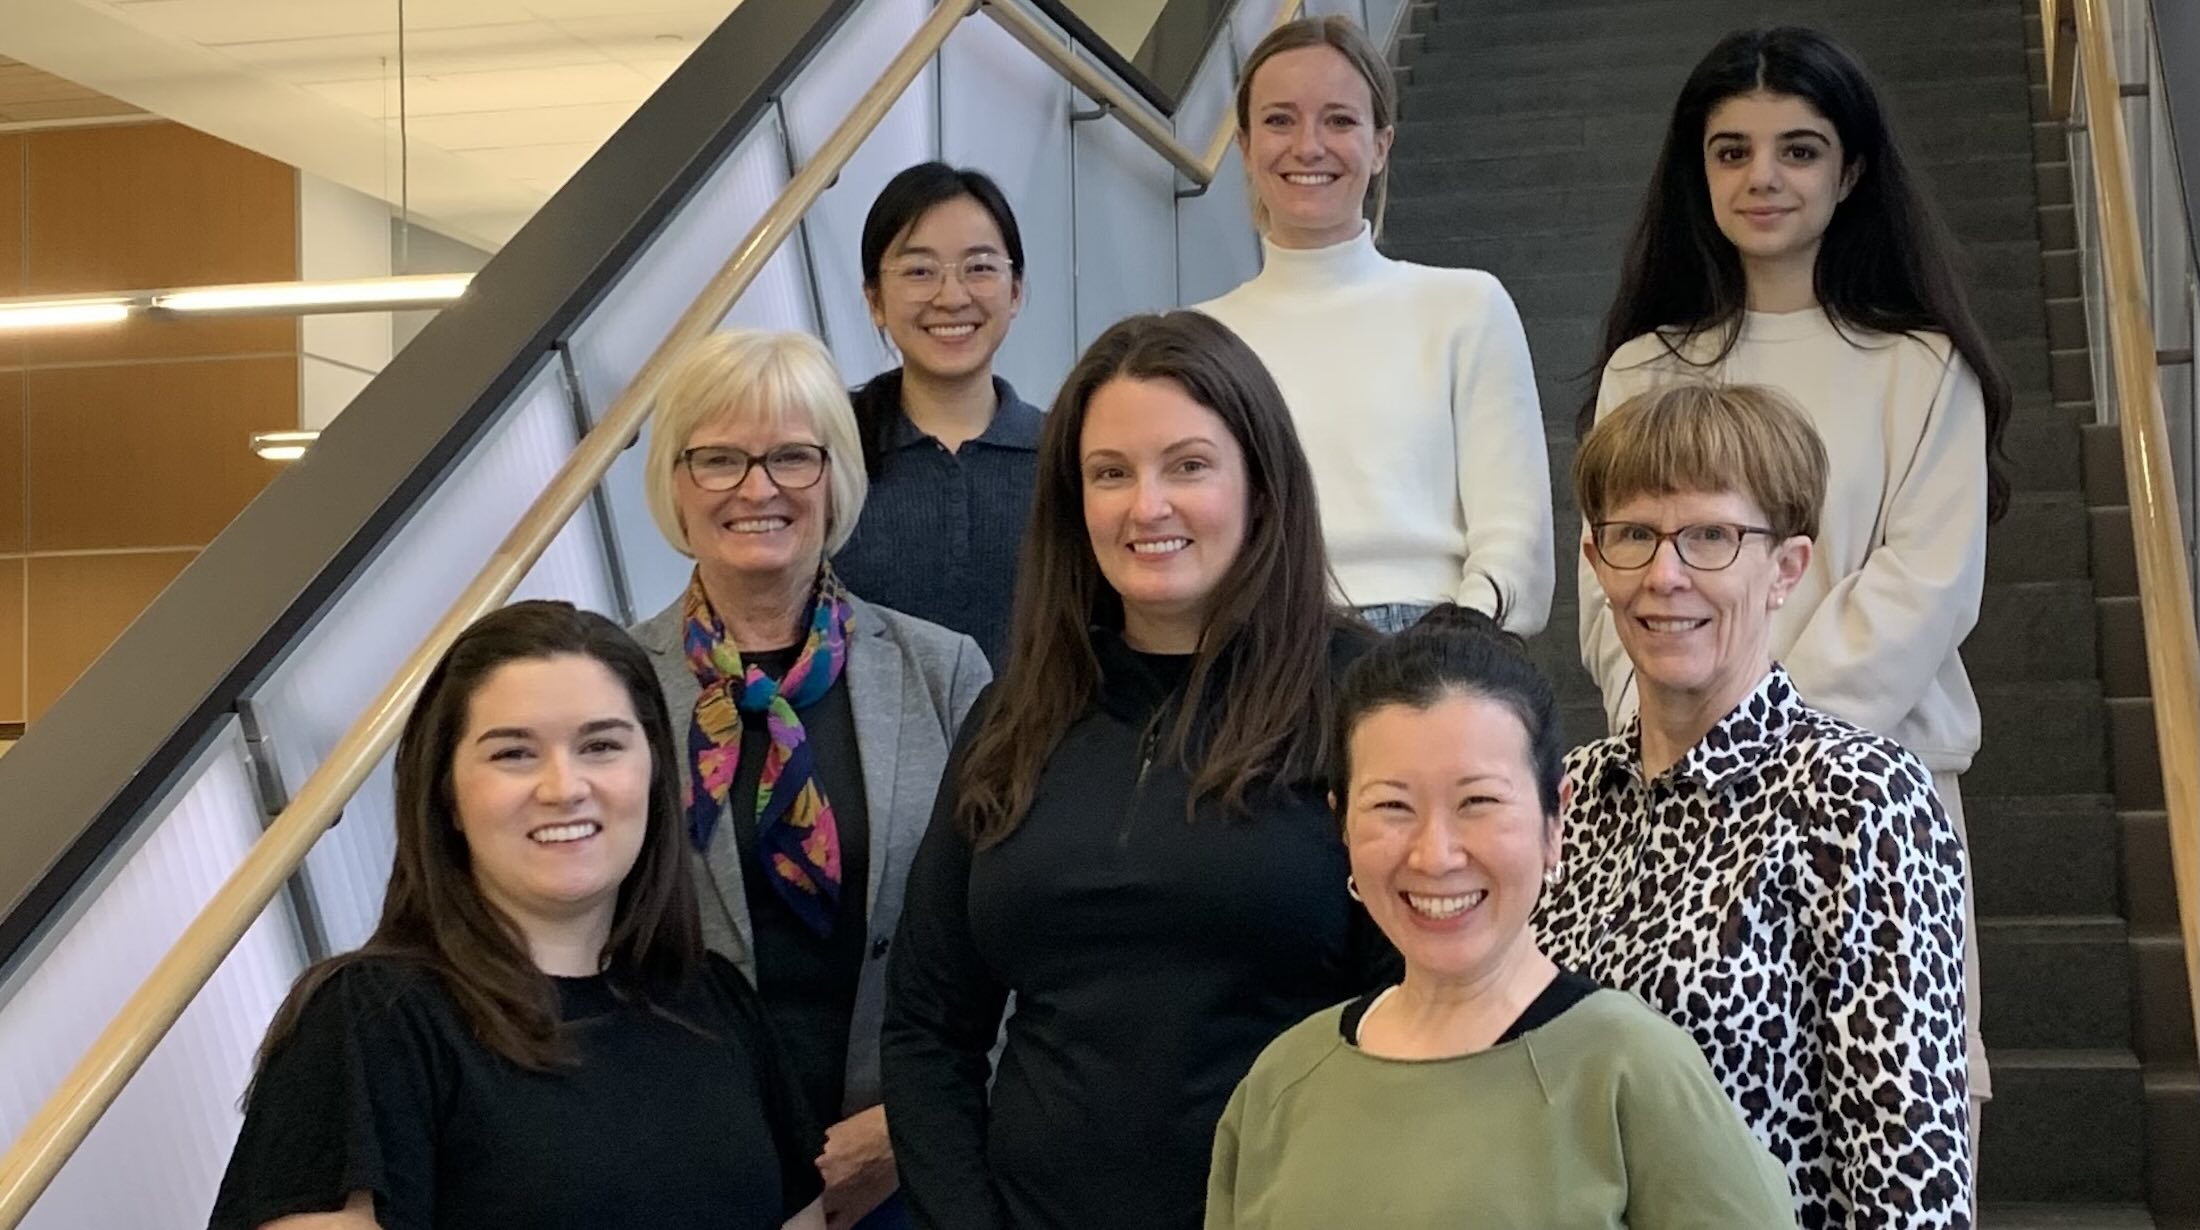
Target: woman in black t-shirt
533,1036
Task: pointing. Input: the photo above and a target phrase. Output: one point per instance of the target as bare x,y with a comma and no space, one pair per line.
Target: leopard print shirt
1791,893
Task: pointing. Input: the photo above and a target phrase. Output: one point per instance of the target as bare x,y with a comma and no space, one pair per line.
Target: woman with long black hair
948,446
1786,242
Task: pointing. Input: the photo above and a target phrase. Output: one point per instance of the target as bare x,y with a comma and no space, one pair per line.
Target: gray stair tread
2064,1060
2065,1217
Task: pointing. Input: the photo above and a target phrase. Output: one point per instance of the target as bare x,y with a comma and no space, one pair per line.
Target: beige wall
123,450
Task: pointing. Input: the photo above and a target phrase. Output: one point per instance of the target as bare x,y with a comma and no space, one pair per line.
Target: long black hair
1887,263
907,197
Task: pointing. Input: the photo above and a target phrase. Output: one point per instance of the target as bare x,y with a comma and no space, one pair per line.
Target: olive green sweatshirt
1605,1116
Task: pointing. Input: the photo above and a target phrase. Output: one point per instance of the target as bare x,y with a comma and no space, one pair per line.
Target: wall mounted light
423,290
55,313
283,445
363,295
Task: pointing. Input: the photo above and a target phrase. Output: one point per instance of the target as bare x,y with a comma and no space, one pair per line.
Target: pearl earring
1552,875
1351,889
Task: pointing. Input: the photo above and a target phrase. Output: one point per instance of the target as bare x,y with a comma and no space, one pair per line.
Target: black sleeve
796,1136
348,1102
943,1012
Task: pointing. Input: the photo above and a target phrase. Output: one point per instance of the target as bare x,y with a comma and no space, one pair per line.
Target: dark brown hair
1261,677
1887,263
434,914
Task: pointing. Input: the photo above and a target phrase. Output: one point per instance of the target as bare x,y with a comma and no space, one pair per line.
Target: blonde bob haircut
743,373
1342,36
1706,439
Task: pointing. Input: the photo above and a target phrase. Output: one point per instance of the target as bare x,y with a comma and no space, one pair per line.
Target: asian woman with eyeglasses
949,446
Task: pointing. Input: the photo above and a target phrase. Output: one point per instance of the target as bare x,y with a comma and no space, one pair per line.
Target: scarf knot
796,836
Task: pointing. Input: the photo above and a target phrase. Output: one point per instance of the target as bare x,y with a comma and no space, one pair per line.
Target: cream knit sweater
1871,633
1415,400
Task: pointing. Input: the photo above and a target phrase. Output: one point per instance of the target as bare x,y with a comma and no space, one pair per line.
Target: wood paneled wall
123,450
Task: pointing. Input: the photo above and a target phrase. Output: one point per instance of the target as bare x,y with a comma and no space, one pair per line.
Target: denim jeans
1394,617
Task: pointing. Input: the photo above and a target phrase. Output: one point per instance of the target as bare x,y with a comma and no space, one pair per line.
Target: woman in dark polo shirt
949,447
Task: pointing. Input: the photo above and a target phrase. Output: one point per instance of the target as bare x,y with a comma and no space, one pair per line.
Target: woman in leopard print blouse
1782,884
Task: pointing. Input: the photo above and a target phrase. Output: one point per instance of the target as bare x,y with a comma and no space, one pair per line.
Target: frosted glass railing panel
1215,242
624,329
1006,113
1126,227
154,1161
849,63
331,675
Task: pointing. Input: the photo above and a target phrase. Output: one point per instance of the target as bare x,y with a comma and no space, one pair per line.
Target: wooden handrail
2165,588
2059,43
61,1124
1097,86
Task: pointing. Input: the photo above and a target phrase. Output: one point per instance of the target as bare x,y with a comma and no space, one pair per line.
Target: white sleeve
1504,467
1601,651
1877,642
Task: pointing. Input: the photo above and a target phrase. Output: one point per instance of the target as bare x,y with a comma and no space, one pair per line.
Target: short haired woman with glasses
1783,884
813,725
949,447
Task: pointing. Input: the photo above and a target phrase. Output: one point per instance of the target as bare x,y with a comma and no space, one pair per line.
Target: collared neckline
1736,744
1015,423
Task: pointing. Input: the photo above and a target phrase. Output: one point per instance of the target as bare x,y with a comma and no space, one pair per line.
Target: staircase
1526,137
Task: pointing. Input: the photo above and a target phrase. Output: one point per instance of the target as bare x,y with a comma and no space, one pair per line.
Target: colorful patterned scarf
795,833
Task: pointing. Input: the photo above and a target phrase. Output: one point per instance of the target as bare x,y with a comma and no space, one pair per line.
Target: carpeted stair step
2043,854
2055,982
2059,1127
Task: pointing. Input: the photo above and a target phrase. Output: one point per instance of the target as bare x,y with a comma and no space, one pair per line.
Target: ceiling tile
587,124
428,53
505,90
215,22
538,164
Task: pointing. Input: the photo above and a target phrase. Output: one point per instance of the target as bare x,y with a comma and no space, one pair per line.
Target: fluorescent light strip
366,295
283,445
63,312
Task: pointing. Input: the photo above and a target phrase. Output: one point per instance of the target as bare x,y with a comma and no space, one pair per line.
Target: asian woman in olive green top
1490,1089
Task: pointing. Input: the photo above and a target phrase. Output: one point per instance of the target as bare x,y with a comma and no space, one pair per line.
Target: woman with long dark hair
534,1035
948,445
1132,839
1785,242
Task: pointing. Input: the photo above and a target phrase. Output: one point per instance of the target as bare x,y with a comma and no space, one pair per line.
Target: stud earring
1553,875
1351,889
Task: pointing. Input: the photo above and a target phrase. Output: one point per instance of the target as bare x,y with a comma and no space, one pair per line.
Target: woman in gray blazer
814,726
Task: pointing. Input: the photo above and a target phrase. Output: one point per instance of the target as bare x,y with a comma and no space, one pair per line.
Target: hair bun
1450,617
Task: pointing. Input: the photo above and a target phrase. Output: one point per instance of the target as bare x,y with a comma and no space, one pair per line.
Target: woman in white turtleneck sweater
1411,386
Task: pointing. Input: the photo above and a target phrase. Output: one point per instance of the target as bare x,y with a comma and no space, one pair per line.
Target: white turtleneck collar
1354,260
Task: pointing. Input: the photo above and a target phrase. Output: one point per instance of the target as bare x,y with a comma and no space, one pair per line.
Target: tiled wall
123,450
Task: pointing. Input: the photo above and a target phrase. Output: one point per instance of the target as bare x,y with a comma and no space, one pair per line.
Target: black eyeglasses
791,466
1628,545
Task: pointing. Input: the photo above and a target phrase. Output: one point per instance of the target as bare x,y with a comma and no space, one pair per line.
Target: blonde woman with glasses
812,725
